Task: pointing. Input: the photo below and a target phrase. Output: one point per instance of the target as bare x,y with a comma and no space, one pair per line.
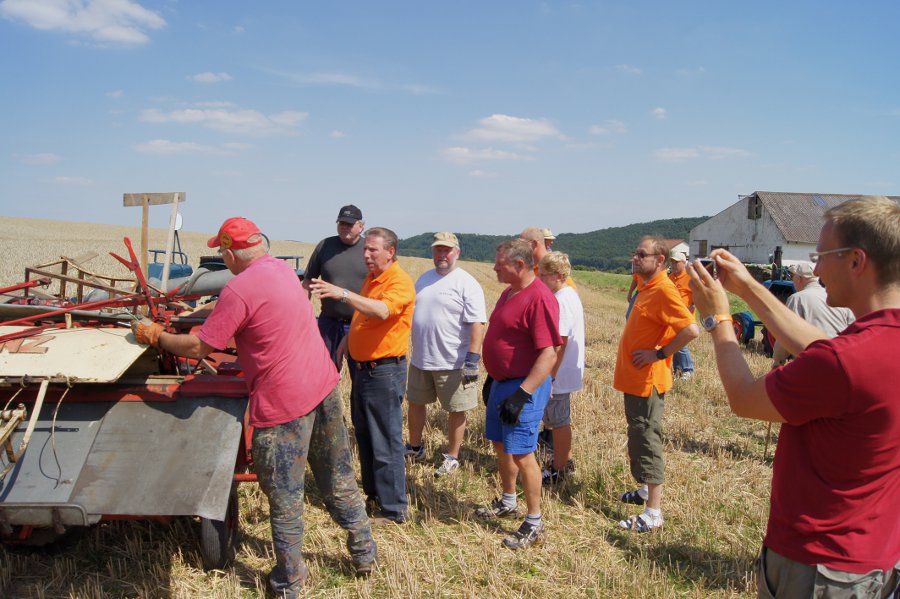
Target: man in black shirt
338,260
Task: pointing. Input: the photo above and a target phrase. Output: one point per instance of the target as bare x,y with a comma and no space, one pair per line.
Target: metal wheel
219,538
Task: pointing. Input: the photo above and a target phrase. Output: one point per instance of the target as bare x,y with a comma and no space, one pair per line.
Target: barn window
702,250
754,208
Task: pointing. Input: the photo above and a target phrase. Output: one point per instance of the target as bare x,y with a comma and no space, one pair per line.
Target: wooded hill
606,249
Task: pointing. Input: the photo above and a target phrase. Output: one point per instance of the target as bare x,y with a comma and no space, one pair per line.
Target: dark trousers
376,409
280,455
333,332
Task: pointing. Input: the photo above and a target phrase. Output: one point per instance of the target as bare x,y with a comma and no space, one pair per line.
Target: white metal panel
87,355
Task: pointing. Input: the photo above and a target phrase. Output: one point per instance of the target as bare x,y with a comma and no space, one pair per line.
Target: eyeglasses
814,256
641,254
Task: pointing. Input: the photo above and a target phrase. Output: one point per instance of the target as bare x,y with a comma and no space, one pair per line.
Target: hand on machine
146,331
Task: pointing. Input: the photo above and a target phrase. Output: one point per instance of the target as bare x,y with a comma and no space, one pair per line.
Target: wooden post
145,232
145,200
170,244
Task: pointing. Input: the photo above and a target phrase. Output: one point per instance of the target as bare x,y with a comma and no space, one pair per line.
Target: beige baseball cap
445,238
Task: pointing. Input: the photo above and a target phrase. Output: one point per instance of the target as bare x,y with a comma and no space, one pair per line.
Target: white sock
534,520
653,514
509,500
644,492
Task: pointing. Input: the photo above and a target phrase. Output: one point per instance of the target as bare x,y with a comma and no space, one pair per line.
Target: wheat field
715,501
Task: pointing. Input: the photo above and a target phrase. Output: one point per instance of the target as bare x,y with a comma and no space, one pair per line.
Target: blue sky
477,117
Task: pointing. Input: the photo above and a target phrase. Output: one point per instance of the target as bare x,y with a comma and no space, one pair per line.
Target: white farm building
760,223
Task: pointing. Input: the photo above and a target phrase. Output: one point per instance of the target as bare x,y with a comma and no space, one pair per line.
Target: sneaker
551,476
687,375
496,510
414,454
641,523
526,536
449,466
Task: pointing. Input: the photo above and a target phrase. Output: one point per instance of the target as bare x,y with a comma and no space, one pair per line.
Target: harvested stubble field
715,503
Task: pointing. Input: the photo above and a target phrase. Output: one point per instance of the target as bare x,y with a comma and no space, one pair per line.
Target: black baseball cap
349,214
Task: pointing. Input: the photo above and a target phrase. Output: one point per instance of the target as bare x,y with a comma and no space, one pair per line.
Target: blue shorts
521,438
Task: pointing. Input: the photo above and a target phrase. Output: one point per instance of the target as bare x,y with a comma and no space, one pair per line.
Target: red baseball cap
236,233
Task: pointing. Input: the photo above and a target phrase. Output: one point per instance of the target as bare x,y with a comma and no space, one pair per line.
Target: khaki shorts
778,576
558,411
424,386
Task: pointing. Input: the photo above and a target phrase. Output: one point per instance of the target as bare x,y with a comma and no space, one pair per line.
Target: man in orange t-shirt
378,342
659,325
682,362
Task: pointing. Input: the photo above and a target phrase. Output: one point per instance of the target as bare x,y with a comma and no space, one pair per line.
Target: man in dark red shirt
519,354
834,523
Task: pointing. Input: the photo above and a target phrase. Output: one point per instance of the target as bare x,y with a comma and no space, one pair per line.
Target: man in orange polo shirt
682,361
378,342
659,325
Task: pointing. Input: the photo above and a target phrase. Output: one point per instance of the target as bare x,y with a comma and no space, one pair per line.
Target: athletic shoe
449,466
414,454
551,476
641,523
526,536
497,510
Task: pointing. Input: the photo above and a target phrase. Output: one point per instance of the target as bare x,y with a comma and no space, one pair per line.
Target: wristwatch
660,354
344,295
713,320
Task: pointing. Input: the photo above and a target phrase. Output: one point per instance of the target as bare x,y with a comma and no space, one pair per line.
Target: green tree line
606,249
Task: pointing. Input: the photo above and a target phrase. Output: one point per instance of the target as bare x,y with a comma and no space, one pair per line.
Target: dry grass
715,504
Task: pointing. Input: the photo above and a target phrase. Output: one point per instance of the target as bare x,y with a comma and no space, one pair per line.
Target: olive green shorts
645,443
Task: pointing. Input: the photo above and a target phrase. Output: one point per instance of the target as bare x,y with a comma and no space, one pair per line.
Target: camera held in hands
710,265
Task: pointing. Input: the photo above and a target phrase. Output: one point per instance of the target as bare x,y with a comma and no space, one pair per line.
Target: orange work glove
146,331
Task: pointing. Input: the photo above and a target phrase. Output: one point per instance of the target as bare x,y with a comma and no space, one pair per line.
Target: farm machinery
95,427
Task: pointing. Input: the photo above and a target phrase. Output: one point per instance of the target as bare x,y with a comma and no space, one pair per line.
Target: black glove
486,389
470,368
512,406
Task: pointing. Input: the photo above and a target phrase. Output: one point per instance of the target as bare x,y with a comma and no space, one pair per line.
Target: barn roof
799,215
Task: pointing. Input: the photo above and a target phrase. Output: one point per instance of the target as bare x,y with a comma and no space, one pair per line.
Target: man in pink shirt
295,405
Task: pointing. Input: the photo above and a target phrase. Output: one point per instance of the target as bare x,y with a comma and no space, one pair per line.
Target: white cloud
73,181
693,153
343,79
209,77
610,126
117,21
337,134
697,182
464,155
417,89
43,159
676,154
249,122
505,128
168,147
719,152
115,94
627,68
660,113
480,174
238,29
691,71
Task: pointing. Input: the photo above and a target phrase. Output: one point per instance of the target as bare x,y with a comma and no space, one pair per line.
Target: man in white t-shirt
554,269
447,332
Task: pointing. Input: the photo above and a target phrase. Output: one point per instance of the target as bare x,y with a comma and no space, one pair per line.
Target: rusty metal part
26,285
